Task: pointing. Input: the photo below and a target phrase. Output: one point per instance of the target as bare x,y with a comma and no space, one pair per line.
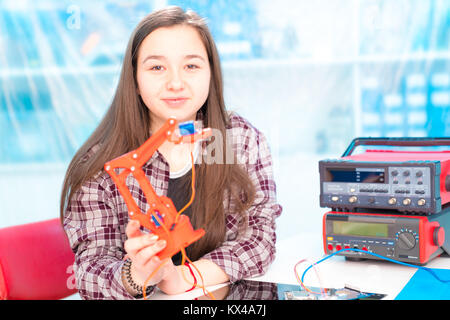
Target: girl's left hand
174,282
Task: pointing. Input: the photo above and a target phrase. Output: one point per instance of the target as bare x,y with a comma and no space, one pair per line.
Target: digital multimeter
412,239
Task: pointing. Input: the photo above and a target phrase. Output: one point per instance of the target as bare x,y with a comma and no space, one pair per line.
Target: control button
352,190
334,198
392,201
352,199
394,173
371,200
406,173
395,182
338,247
420,182
330,247
419,174
421,202
406,241
364,249
406,202
407,182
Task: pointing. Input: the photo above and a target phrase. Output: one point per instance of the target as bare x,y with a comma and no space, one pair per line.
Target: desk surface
367,275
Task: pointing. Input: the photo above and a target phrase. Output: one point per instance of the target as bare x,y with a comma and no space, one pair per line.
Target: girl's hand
142,249
175,283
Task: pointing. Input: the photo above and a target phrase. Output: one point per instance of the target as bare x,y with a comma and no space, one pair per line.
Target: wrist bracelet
127,274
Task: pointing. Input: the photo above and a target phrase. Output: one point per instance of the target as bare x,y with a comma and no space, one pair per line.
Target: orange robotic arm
162,217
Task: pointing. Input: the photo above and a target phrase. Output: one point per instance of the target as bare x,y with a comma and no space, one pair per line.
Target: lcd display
360,229
356,175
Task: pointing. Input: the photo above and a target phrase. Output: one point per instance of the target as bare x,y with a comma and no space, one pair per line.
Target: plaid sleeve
251,254
96,234
253,290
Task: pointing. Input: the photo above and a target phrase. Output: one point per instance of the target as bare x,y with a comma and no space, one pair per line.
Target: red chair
36,262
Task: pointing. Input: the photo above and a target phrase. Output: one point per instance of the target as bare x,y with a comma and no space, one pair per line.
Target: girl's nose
175,81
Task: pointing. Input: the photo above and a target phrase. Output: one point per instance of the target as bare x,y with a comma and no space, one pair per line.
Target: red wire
193,275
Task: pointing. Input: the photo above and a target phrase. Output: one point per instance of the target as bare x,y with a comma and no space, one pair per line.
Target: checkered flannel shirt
96,217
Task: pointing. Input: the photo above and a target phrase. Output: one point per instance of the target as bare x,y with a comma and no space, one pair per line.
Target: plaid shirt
97,215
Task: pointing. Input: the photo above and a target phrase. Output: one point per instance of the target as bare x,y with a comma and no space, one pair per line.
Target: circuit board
294,292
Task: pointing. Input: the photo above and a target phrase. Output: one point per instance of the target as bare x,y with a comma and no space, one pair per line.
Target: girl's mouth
175,102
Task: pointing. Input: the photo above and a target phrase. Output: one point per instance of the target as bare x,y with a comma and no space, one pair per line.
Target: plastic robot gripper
162,218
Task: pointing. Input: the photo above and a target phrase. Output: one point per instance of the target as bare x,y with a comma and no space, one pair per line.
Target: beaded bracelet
127,274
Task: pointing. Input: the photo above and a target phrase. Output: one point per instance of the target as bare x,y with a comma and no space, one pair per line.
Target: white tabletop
367,275
336,272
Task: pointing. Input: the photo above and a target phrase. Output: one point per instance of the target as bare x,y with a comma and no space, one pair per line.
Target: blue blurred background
312,75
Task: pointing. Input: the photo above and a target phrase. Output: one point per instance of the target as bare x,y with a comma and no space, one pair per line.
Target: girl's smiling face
173,74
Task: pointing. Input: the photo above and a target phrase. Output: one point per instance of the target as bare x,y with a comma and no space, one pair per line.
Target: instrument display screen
358,175
360,229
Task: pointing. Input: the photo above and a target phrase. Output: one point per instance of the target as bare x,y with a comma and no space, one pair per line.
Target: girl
171,68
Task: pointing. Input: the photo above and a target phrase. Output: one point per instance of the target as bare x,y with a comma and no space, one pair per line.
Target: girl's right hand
142,248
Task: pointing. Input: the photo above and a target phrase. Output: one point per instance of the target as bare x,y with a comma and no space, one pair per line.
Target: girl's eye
157,68
192,66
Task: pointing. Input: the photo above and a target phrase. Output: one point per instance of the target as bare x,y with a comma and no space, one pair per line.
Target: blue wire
381,257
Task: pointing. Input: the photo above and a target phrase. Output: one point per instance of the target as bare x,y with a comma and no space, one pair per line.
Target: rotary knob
406,241
421,202
439,236
406,201
392,201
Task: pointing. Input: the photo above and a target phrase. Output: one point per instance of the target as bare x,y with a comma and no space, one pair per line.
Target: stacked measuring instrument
389,196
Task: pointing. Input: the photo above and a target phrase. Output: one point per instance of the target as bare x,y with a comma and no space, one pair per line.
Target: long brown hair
126,126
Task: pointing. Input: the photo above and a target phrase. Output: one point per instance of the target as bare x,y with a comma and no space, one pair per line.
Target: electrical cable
183,251
193,190
378,256
322,292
